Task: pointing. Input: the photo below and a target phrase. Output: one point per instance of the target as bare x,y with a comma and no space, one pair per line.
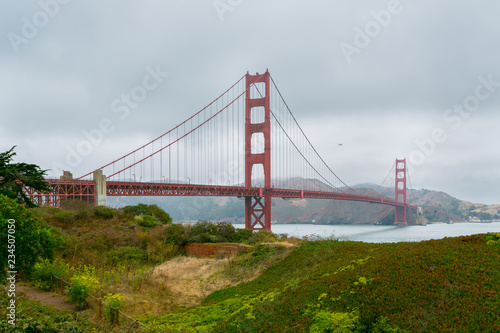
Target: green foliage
113,302
126,254
146,221
103,212
223,232
176,234
33,317
382,326
28,238
262,236
14,176
422,287
493,239
84,214
200,319
243,235
262,251
325,322
153,210
64,217
43,270
82,283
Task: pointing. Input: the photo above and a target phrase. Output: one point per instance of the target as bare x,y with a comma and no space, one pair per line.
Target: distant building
66,175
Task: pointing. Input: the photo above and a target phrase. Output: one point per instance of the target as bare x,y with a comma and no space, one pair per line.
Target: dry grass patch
189,280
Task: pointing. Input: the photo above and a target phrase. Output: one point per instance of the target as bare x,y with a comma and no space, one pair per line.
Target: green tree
23,238
15,176
153,210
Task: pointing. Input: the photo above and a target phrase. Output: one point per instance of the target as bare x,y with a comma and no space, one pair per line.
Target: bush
175,234
325,321
83,283
43,270
208,232
152,210
103,212
243,235
126,253
26,236
226,231
262,236
493,239
113,302
382,326
84,214
146,221
63,217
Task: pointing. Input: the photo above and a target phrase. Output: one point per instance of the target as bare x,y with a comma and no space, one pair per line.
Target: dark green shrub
203,238
44,269
175,234
152,210
32,237
64,217
103,212
126,253
226,232
203,227
243,235
146,221
493,239
208,232
262,236
84,214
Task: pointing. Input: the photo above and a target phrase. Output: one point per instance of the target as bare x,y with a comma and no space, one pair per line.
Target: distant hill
437,206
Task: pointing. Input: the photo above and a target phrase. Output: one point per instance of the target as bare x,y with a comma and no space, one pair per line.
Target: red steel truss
63,189
85,190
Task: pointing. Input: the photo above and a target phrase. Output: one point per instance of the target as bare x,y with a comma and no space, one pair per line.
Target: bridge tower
401,192
258,208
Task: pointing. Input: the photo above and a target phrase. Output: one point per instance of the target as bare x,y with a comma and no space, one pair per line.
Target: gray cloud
393,93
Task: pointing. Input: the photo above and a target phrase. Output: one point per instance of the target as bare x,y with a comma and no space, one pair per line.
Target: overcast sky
387,79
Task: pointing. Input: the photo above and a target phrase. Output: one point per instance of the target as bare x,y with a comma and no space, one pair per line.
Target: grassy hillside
280,286
31,316
439,285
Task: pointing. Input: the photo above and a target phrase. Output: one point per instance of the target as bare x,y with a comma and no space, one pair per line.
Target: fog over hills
438,206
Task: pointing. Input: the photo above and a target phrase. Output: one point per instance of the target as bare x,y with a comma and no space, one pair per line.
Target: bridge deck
85,189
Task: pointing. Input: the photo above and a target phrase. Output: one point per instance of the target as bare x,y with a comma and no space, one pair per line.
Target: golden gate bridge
246,143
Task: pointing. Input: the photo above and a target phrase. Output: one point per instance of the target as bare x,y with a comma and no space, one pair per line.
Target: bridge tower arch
258,208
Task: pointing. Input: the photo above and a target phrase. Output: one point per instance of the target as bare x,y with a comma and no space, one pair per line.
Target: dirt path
45,297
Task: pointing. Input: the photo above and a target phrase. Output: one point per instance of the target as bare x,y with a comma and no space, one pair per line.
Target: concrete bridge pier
100,189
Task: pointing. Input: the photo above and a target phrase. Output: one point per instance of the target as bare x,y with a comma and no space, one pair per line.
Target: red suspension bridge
246,143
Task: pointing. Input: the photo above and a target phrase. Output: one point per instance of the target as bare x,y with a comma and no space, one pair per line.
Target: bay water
383,233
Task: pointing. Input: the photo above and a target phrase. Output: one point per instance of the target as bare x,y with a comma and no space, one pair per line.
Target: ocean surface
384,233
